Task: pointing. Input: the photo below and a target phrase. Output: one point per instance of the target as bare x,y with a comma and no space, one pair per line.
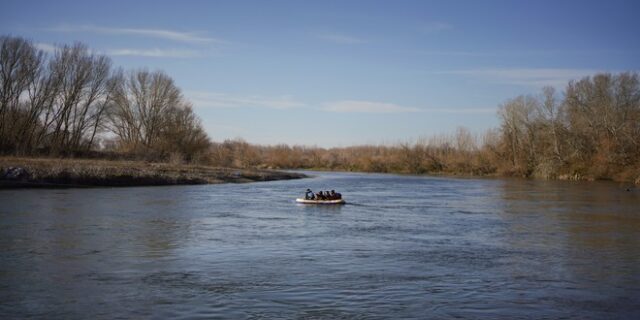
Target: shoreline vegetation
82,173
69,116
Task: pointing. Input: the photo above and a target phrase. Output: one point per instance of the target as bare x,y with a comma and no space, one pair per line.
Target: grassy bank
49,172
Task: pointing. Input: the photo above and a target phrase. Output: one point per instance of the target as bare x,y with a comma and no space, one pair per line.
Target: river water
403,247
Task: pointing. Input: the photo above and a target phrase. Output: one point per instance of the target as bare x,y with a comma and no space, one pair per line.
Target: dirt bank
47,172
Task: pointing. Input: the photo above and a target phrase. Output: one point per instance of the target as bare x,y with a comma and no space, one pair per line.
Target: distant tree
551,118
139,106
182,133
20,65
149,114
83,93
603,114
519,132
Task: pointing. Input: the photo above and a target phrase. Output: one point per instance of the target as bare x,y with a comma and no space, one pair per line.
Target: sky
339,73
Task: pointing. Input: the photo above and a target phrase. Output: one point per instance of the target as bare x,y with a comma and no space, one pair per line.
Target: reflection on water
586,237
404,247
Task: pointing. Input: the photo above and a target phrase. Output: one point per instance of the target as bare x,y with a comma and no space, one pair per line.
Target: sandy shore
50,173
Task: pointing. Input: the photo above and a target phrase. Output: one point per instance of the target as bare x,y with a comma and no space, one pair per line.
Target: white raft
306,201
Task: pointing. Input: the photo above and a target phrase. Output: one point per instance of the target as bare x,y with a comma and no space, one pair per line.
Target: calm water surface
404,247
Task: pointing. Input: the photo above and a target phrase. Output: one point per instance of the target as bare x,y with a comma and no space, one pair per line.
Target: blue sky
338,73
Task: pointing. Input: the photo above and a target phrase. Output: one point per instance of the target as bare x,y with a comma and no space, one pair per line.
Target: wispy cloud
149,53
460,110
173,35
435,26
516,53
356,106
456,53
202,99
341,38
350,106
46,47
525,76
224,129
155,53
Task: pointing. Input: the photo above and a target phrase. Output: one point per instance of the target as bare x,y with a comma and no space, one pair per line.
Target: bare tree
20,63
550,117
519,132
465,141
603,113
140,103
149,113
61,103
82,94
183,133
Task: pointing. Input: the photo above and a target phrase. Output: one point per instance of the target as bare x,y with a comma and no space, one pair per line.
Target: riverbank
50,173
492,175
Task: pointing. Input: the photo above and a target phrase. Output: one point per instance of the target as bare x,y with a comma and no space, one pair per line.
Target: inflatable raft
306,201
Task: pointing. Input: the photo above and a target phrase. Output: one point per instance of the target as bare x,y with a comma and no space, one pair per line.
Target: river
403,247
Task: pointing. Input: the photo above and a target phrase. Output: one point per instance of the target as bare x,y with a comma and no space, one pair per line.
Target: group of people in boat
322,195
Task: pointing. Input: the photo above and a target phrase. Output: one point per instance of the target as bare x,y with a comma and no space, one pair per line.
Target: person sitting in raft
334,195
309,195
320,196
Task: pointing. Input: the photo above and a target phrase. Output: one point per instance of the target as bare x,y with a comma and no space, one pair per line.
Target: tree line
458,153
71,101
590,131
